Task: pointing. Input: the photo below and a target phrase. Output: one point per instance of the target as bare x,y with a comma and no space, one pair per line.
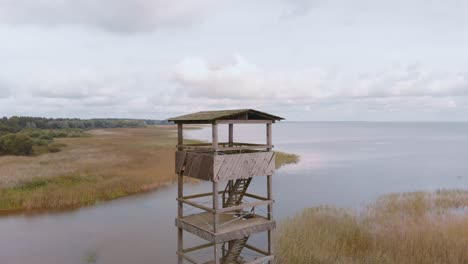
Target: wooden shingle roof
212,116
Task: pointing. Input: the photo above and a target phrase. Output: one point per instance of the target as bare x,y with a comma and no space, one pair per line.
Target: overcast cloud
305,60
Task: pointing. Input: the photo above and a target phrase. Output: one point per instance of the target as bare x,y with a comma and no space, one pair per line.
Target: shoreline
109,164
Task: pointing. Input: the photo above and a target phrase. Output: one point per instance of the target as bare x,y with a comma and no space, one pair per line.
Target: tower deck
229,227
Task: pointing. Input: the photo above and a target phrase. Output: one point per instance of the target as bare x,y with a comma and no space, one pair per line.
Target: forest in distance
23,135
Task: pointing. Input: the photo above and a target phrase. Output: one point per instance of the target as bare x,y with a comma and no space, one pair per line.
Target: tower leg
180,214
217,255
270,216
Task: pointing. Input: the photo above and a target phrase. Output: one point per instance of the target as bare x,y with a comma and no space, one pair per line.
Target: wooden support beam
269,138
197,195
220,148
216,217
214,134
263,252
180,194
221,143
258,197
194,204
262,260
270,214
244,121
231,135
244,205
189,259
197,247
201,195
180,135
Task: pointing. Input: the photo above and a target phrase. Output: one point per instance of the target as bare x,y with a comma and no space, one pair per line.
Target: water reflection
343,164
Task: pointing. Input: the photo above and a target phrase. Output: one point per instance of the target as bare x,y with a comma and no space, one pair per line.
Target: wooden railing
261,201
223,146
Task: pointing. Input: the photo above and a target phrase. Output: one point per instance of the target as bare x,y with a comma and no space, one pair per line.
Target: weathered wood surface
201,225
259,260
235,115
217,168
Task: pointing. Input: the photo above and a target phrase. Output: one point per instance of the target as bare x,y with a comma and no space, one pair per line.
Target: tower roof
212,116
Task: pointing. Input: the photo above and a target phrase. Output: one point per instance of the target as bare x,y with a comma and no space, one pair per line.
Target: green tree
16,144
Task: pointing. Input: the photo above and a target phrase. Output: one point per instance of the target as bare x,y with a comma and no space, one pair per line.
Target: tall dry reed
408,228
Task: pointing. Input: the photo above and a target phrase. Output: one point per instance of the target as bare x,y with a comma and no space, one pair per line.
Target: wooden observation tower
232,214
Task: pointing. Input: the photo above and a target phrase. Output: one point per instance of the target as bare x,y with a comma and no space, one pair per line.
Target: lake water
342,164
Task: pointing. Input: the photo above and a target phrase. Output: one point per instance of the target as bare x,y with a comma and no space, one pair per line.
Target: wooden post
269,193
231,134
214,132
215,220
268,135
231,141
180,194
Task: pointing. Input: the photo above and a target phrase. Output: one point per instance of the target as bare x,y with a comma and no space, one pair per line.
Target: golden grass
283,158
408,228
108,164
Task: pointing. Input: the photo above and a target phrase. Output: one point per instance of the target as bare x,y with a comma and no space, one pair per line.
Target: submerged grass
283,158
107,164
408,228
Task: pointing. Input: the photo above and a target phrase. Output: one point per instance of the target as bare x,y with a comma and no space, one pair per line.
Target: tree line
21,135
15,124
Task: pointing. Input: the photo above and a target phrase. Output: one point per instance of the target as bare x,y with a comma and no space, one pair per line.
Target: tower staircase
235,191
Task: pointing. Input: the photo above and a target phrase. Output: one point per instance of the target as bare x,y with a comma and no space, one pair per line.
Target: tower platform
228,228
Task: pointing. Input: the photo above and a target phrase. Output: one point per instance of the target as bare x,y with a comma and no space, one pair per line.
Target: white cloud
112,15
244,80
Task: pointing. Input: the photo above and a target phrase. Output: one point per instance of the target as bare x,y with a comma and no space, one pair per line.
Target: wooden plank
244,205
180,161
199,165
262,260
211,167
246,165
221,148
239,233
197,195
263,252
195,229
256,196
229,227
189,259
197,205
243,121
195,248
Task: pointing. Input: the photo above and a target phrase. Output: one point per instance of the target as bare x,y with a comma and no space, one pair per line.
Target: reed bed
407,228
107,164
110,163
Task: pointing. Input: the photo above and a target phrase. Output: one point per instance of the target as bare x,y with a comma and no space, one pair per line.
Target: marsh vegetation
107,164
102,164
407,228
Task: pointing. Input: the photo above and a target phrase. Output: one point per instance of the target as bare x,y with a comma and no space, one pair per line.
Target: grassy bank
106,164
409,228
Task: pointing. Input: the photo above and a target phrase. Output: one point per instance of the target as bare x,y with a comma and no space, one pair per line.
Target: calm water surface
342,164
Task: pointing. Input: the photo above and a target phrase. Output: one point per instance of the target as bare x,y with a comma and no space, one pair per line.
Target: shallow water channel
342,164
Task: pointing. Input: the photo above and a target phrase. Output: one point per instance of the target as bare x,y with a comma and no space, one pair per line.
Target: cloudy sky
301,59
